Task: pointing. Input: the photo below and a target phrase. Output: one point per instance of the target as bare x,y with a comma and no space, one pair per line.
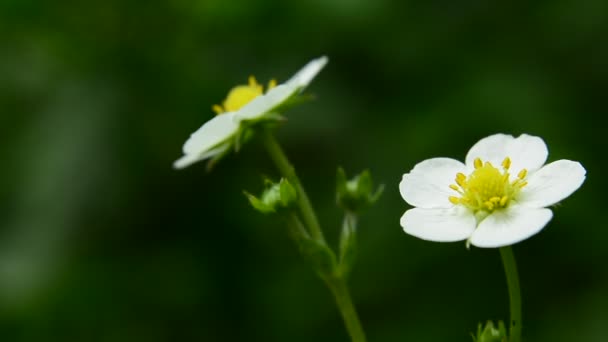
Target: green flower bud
357,193
490,333
275,197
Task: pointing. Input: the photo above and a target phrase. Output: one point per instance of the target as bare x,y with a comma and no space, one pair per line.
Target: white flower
244,105
497,198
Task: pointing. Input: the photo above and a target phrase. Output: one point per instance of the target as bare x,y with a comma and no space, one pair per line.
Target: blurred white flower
497,198
244,105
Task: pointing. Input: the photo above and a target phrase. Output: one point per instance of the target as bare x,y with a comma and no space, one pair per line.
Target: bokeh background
101,240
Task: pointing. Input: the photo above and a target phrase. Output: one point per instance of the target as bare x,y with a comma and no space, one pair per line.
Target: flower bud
357,193
275,197
490,333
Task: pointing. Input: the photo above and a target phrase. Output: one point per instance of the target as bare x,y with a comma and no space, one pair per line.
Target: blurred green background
101,240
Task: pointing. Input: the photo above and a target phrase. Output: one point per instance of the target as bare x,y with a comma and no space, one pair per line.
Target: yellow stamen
217,109
272,83
477,163
253,83
454,199
487,188
241,95
460,179
503,201
522,174
489,205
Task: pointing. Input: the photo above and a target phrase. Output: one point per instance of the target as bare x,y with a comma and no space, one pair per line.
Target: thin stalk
337,284
345,304
287,170
296,228
508,261
348,243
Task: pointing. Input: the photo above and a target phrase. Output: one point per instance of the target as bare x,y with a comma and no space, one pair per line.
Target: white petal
552,183
185,161
525,151
211,133
428,184
190,159
266,103
510,226
441,225
303,77
276,96
492,149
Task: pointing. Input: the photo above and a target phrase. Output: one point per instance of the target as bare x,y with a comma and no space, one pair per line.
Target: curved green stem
296,227
280,159
508,260
340,291
337,282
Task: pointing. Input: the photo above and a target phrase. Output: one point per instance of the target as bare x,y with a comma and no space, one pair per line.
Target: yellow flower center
487,188
242,95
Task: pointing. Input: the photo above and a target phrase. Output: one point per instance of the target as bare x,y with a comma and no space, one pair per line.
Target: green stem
337,284
510,266
347,309
280,159
348,243
296,227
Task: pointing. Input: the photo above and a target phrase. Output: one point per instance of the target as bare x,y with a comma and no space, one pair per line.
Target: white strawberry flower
244,106
498,197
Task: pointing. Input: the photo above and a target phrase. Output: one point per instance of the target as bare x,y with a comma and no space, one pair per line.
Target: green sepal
248,128
489,333
357,193
275,197
294,101
216,159
288,193
270,118
259,205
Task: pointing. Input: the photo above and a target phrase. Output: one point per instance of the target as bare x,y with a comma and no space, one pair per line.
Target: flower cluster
497,198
